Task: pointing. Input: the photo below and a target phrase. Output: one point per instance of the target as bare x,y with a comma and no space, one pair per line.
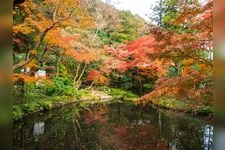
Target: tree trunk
79,79
76,74
119,81
57,66
139,83
160,123
93,82
140,87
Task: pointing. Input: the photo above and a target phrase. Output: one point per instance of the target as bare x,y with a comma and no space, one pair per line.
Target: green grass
184,106
206,110
172,103
47,103
120,93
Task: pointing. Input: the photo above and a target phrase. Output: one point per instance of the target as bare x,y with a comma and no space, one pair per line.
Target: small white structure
38,130
27,70
40,73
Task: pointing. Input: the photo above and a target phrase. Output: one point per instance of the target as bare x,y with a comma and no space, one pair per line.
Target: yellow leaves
55,37
66,23
26,78
205,69
188,61
86,21
66,13
41,23
52,37
33,52
186,70
85,57
21,28
32,64
36,38
102,80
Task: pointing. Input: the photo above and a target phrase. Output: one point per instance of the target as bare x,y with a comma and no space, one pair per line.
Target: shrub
207,110
60,86
17,112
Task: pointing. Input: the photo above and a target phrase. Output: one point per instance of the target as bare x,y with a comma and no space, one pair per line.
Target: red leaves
191,50
95,76
138,55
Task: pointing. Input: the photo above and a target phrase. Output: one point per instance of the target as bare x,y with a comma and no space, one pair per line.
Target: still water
118,126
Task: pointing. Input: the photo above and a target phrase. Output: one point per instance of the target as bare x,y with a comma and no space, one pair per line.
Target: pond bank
89,97
179,106
112,126
85,96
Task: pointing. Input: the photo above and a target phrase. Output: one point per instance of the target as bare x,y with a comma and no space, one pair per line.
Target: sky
140,7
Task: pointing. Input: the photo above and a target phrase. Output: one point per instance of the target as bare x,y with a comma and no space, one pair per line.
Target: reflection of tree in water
113,126
58,131
208,137
185,132
38,130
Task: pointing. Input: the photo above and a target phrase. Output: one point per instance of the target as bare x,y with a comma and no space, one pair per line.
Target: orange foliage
47,19
56,38
85,55
189,48
23,77
138,55
96,76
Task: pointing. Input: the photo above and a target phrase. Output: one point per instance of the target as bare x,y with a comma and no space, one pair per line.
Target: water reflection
208,137
114,126
38,130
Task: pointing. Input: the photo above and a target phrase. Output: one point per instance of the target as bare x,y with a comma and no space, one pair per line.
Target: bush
29,107
17,112
60,86
119,93
47,105
207,110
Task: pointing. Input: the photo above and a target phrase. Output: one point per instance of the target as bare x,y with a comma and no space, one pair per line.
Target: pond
115,126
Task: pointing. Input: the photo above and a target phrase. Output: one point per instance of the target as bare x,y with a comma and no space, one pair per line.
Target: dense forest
75,50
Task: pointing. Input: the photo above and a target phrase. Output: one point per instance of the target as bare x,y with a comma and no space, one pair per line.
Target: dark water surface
117,126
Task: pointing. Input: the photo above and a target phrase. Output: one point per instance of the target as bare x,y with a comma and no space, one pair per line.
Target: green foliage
207,110
17,112
104,37
83,94
63,70
120,93
165,12
172,72
29,107
195,67
129,96
172,103
47,103
127,30
33,90
148,85
60,86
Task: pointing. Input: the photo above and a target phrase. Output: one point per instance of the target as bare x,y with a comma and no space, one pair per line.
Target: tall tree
194,51
165,11
38,18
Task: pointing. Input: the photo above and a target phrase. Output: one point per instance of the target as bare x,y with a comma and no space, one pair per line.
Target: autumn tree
41,17
134,59
165,11
96,77
194,51
40,27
